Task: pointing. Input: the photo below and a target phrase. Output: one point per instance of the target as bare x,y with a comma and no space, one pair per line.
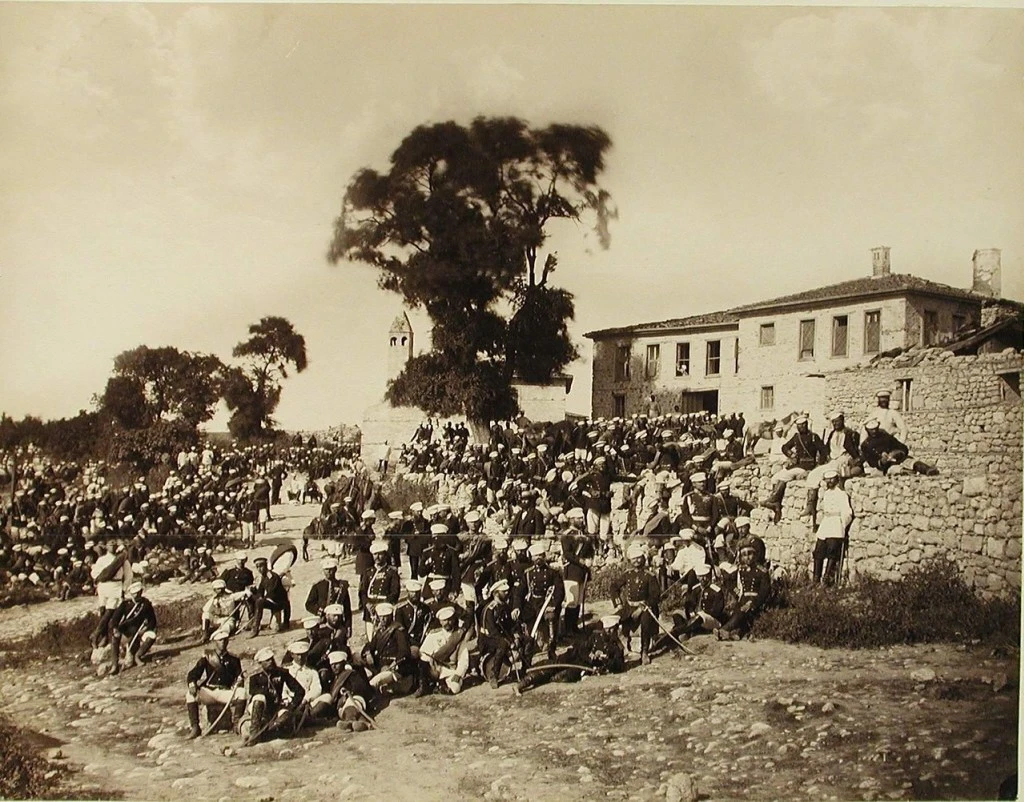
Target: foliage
440,385
606,580
399,492
253,391
153,384
455,226
23,773
76,438
145,448
931,603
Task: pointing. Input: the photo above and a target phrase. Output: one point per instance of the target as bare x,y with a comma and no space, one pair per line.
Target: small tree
253,391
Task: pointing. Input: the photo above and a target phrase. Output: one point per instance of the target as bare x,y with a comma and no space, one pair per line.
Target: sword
661,626
540,615
217,720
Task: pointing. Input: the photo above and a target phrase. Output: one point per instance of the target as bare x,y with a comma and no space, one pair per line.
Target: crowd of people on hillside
57,518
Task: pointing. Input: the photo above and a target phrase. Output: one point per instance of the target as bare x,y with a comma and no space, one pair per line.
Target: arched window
405,340
394,340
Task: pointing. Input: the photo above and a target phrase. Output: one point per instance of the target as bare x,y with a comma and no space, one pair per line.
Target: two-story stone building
770,358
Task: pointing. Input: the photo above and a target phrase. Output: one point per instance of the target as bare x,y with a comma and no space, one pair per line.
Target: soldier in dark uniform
392,536
639,596
577,551
703,610
238,577
269,593
805,450
439,560
415,530
881,451
528,521
329,590
752,587
350,691
498,633
331,637
215,679
135,619
698,512
274,698
543,583
599,649
726,508
388,654
414,615
383,584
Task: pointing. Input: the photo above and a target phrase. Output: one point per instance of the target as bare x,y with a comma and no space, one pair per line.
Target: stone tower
399,345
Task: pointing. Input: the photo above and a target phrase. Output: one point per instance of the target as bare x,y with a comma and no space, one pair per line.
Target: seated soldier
752,587
307,677
703,610
349,694
135,620
223,610
387,654
885,454
215,679
274,699
598,652
444,654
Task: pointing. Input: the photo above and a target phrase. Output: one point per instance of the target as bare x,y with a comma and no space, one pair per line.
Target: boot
319,709
572,620
812,503
144,647
193,720
237,713
925,469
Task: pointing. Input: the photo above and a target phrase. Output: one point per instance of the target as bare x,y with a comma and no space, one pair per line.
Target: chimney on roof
987,272
880,261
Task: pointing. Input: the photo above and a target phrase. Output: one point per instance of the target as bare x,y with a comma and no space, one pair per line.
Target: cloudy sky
170,174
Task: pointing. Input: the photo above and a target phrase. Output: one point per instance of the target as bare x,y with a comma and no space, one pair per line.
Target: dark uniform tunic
215,671
327,592
383,585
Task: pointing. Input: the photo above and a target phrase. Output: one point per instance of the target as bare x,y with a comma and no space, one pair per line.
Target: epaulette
714,586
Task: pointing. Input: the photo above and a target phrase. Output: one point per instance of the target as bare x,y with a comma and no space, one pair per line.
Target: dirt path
745,720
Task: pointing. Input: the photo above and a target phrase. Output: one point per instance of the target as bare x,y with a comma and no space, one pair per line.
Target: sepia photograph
537,402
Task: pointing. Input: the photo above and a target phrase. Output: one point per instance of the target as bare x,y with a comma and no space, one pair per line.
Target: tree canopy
253,390
154,384
456,226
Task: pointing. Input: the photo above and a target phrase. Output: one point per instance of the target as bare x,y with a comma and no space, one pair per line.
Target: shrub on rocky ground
931,603
23,773
399,492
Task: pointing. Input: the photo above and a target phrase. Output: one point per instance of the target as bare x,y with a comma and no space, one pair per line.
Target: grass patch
932,603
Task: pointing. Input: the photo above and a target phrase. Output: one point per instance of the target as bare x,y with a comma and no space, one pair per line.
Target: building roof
710,319
865,287
401,324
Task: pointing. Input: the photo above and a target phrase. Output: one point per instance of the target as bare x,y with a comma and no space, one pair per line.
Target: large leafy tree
252,390
456,226
162,384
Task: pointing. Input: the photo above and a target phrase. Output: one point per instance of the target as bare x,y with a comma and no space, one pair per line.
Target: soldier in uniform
726,508
329,590
383,584
413,614
223,610
752,587
269,593
473,560
392,536
215,679
543,583
883,452
698,512
134,619
439,559
837,513
332,637
804,451
274,699
350,693
415,530
444,655
639,597
497,633
703,610
308,678
577,552
599,650
387,653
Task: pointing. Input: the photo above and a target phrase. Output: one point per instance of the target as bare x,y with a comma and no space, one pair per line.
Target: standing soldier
577,552
639,597
698,511
382,585
414,615
544,597
439,560
836,516
134,619
415,530
215,679
392,536
329,590
596,488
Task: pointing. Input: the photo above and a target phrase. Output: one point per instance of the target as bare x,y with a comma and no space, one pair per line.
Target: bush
399,492
12,596
931,603
22,771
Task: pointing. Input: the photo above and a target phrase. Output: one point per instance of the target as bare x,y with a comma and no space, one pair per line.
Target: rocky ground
741,720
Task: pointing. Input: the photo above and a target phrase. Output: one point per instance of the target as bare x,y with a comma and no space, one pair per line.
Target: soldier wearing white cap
444,654
889,420
703,610
307,677
222,610
109,574
350,693
577,552
698,510
753,584
842,456
439,559
599,650
498,633
414,614
215,679
882,452
238,577
474,557
269,593
388,654
836,516
545,594
639,597
804,452
382,585
331,636
134,619
275,697
330,590
415,531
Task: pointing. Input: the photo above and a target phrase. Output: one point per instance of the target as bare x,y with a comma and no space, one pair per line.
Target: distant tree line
156,399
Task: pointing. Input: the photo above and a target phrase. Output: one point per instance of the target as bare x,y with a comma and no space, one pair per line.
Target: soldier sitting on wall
883,453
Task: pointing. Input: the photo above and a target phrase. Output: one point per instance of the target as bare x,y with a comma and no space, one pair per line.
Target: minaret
399,345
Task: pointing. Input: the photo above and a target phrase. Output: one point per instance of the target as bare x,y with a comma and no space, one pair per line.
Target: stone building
771,358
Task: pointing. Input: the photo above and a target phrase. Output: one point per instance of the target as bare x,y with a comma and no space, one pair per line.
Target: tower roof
401,325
